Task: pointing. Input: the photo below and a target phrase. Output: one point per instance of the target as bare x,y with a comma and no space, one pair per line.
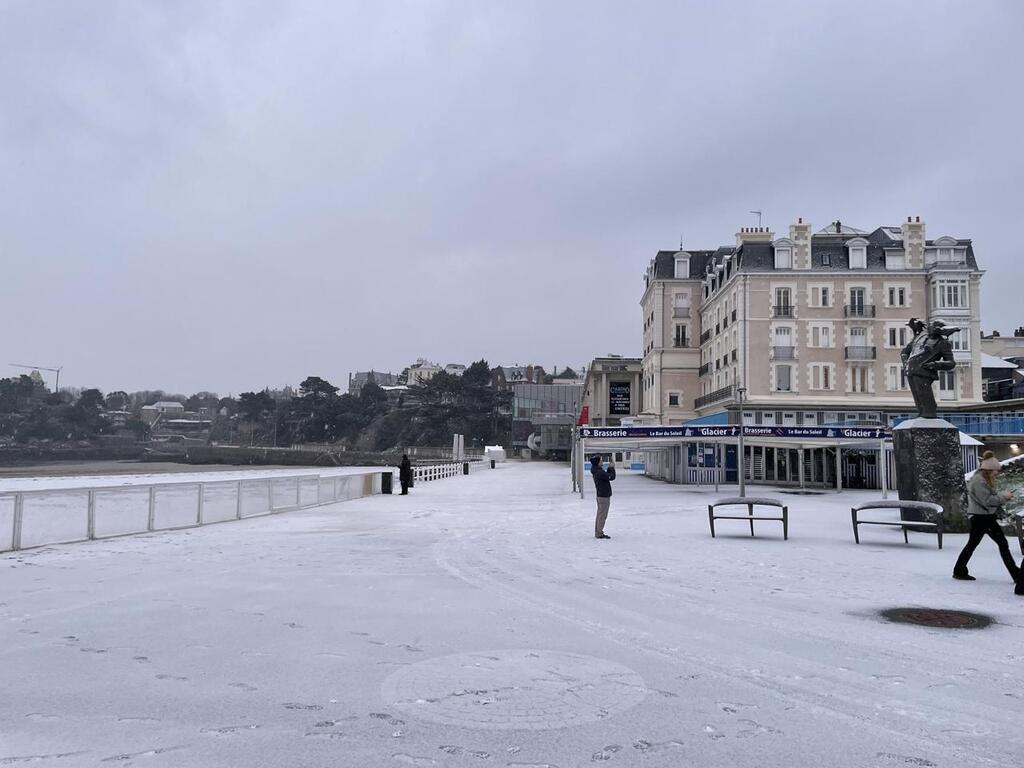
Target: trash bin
492,463
465,467
386,479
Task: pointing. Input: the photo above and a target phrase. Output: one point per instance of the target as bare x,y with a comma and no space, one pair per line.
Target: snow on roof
991,361
169,404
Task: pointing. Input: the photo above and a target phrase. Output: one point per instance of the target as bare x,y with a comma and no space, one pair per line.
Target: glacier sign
836,433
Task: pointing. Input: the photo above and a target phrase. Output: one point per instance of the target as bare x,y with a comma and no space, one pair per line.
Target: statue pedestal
930,467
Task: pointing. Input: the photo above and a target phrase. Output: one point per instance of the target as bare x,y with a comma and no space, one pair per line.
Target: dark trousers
405,489
924,396
980,526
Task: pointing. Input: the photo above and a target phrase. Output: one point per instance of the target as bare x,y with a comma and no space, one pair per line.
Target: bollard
386,480
492,463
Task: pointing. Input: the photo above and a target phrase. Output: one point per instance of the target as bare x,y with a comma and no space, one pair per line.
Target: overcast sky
232,195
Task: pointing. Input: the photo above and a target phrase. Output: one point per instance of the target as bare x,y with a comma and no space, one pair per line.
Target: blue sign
841,433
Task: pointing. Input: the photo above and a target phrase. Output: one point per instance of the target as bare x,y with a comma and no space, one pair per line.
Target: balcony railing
734,315
680,311
705,336
860,310
725,393
860,353
680,343
783,310
703,370
784,353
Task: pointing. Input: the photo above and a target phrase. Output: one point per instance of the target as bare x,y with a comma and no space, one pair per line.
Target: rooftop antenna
758,218
680,241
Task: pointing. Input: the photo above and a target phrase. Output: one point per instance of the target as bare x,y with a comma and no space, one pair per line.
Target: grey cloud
232,195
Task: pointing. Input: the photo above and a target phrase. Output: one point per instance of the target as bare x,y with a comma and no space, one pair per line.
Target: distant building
357,380
611,391
1000,379
165,409
455,369
504,377
543,416
1005,347
422,371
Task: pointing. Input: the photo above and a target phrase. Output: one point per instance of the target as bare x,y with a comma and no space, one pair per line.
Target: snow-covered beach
478,622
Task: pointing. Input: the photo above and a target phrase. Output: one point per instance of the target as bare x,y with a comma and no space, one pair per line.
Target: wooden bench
749,503
936,524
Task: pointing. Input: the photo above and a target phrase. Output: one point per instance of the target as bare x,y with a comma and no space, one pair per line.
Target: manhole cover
514,689
937,617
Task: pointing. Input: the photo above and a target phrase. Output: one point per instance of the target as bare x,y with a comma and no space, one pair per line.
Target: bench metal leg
785,523
711,519
906,539
750,511
856,535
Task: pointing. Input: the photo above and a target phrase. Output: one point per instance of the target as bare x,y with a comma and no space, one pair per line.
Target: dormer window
682,266
895,259
946,250
783,253
858,249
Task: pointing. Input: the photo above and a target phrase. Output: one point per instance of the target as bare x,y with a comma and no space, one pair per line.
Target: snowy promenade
477,622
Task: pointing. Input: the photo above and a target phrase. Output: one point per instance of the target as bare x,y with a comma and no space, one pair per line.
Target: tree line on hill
425,414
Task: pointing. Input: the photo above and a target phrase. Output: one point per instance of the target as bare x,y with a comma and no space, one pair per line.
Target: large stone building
611,391
809,325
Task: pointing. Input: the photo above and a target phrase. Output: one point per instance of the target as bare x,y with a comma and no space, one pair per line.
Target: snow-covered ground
478,622
114,481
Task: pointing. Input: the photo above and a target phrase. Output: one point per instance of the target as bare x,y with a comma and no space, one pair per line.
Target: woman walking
983,505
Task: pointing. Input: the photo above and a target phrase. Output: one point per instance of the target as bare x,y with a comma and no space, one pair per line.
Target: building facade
807,328
543,416
611,391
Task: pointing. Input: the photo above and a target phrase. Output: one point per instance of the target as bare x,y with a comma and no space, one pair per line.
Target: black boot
963,576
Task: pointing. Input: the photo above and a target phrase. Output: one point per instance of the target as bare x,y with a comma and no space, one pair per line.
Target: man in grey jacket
983,505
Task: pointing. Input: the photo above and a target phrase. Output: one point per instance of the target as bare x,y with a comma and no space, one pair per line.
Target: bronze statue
927,353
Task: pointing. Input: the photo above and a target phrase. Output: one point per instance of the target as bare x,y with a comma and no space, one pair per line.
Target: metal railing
705,336
782,310
783,352
859,310
680,343
724,393
703,370
35,518
680,311
860,353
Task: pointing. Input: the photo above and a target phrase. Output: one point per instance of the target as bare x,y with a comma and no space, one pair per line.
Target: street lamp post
742,463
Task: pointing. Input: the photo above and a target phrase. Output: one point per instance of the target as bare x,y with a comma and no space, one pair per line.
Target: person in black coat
405,474
603,487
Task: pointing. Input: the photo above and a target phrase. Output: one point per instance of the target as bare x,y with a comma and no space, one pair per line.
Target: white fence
63,515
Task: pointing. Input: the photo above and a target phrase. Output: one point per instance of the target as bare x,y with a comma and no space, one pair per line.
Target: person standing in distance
405,474
603,486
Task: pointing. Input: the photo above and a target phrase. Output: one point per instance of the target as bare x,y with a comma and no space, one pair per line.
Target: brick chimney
800,234
754,235
913,242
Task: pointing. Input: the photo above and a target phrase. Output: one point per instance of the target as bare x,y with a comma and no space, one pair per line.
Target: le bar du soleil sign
844,433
